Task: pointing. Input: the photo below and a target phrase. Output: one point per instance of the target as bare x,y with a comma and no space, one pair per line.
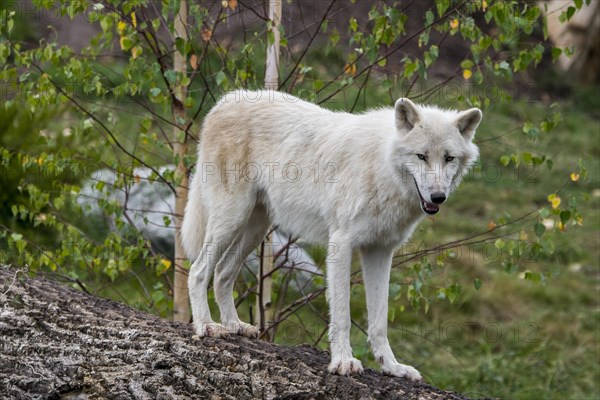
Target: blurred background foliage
496,296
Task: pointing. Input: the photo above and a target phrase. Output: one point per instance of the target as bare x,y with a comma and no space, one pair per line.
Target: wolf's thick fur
349,181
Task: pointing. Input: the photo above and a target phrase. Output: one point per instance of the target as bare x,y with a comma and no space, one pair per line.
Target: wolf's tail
194,223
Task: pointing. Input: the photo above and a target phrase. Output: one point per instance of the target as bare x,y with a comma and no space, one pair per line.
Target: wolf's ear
407,114
467,121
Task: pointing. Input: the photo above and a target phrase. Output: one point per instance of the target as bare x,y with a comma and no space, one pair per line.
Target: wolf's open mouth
427,207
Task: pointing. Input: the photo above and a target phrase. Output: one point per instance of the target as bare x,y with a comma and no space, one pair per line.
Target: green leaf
171,76
556,52
221,78
180,45
429,17
155,91
16,236
126,43
499,243
467,64
504,160
536,277
387,84
539,229
565,215
442,6
477,283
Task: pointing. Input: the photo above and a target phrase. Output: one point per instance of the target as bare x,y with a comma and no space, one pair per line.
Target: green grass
514,338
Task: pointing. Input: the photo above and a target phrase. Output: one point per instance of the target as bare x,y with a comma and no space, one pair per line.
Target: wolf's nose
438,198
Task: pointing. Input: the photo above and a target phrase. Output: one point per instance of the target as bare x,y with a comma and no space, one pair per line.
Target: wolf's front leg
376,264
339,256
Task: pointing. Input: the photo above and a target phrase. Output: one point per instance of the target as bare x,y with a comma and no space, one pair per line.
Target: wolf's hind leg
230,266
198,279
223,226
376,263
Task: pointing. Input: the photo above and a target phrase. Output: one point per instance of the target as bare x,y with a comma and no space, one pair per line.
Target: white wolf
349,181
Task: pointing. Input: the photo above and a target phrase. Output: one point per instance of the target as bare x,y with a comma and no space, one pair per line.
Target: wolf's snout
438,198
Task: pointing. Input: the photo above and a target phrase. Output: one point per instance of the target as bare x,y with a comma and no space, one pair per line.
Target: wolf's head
433,149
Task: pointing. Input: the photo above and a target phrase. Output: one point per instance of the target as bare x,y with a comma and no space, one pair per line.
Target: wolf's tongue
430,208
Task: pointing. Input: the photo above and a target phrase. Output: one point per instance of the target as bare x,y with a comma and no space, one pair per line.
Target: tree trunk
58,342
264,300
181,306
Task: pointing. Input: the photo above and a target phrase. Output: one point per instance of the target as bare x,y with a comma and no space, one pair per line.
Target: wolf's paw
346,367
243,329
210,329
402,371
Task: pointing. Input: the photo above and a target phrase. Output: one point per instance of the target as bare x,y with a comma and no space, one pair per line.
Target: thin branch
308,45
104,127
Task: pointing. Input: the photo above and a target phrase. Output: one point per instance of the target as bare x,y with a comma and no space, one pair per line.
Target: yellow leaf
491,225
224,3
194,61
484,5
554,200
467,74
579,220
350,69
523,236
121,27
575,176
166,263
40,161
454,23
136,51
133,19
232,4
561,226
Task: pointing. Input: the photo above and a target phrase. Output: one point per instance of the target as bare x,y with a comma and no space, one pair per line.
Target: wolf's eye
421,157
449,158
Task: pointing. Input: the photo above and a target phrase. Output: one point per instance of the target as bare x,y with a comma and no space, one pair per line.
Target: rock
62,343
